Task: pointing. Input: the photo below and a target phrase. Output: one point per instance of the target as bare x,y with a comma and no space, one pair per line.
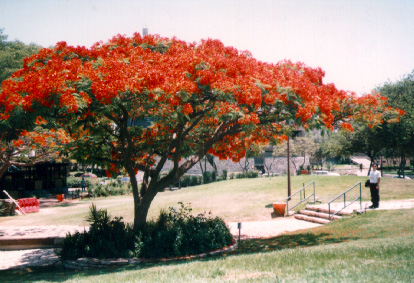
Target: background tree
305,147
400,135
12,54
197,98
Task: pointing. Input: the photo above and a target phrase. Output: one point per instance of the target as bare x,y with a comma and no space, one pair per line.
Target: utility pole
288,167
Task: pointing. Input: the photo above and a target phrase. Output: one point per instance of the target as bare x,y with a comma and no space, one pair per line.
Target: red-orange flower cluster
210,90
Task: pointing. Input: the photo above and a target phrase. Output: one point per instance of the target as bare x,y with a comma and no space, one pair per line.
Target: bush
224,174
112,189
178,233
253,174
186,181
106,238
174,233
248,174
214,176
330,166
196,180
75,182
207,177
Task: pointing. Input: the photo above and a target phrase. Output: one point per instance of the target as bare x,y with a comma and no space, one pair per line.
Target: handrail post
360,196
344,199
329,211
304,191
287,205
314,196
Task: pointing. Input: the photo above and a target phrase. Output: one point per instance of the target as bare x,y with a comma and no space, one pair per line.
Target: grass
375,247
233,200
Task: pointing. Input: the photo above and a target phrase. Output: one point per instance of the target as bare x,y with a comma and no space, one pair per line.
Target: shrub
178,233
112,189
186,181
330,166
174,233
224,174
252,174
248,174
196,180
213,176
207,177
75,182
106,238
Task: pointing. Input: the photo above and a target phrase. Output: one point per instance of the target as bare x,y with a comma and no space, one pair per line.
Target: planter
60,197
279,208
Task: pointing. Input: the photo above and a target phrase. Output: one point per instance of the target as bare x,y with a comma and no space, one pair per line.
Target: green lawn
232,200
375,247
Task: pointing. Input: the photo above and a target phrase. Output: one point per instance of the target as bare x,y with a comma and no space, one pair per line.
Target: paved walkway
28,258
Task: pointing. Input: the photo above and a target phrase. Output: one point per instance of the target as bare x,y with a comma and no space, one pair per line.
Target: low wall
92,263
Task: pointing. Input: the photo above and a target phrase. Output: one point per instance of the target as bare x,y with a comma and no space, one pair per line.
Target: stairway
319,214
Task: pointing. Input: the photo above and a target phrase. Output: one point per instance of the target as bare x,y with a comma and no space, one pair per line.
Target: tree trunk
401,171
3,168
141,207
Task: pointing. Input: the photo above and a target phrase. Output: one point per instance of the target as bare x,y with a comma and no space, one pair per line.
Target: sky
360,44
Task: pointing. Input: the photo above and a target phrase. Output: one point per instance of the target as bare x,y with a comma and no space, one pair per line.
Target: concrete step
319,214
326,210
311,219
24,243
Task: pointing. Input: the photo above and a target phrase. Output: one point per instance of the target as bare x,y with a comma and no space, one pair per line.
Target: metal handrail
345,205
304,196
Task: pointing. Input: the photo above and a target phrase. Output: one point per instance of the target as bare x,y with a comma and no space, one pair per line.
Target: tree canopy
400,135
135,102
24,138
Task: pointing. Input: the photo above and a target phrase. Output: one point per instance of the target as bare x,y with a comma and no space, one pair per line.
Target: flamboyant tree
135,103
24,138
31,147
27,139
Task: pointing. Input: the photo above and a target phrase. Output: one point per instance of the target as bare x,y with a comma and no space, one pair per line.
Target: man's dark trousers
374,194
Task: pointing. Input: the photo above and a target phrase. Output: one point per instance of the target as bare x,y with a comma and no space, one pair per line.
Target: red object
60,197
279,208
88,175
28,205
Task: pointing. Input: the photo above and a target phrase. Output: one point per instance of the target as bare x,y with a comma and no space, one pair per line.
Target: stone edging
90,263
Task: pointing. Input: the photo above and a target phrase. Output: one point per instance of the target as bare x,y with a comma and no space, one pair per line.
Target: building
40,179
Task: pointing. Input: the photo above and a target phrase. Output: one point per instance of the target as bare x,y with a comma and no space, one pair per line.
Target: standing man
83,184
374,179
